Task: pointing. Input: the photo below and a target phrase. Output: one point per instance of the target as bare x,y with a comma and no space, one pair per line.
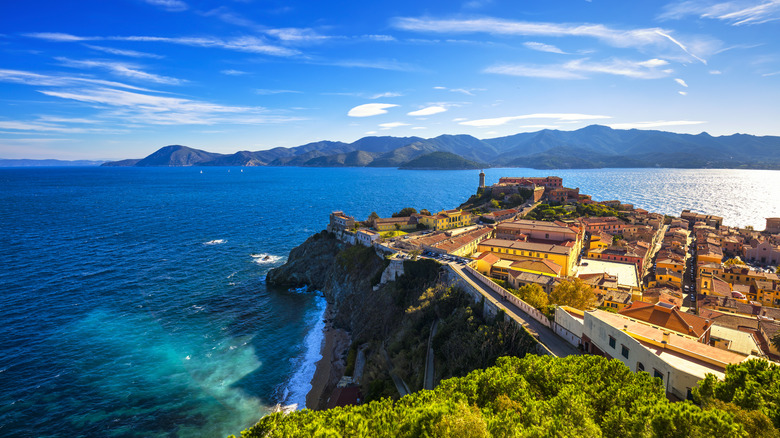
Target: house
609,224
540,231
446,220
366,237
395,223
669,317
339,222
764,253
563,255
501,215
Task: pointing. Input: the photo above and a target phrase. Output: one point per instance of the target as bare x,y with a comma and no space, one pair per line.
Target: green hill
442,160
543,396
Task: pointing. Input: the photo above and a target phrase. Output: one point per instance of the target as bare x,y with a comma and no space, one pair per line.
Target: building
395,223
339,222
562,194
609,224
670,317
446,219
481,179
462,245
501,215
694,218
366,237
562,255
539,231
680,361
550,182
772,225
764,253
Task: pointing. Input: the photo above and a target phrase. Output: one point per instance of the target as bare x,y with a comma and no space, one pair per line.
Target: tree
575,294
372,216
534,295
734,261
494,203
776,339
425,212
405,212
778,270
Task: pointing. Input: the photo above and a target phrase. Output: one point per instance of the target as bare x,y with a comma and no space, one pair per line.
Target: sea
133,301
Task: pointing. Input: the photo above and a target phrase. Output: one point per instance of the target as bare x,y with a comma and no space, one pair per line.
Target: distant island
594,146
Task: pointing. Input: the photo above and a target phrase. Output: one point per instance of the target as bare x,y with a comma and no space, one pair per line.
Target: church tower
481,179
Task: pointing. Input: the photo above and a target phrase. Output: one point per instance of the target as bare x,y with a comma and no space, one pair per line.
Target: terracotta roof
544,266
669,318
528,246
488,257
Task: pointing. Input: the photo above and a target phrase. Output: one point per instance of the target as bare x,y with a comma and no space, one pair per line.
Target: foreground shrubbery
543,396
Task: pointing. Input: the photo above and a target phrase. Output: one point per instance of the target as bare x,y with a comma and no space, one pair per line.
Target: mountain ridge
593,146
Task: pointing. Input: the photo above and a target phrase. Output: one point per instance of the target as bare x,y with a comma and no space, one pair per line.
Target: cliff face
343,273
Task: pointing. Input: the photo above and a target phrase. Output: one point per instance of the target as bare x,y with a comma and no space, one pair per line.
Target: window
624,351
612,342
658,374
640,366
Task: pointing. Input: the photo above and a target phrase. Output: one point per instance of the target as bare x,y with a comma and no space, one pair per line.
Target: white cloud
246,44
419,127
370,109
771,74
392,125
121,69
655,124
736,13
559,116
385,94
265,92
378,65
162,110
683,93
122,52
55,36
439,88
681,82
169,5
30,78
636,38
372,133
715,72
431,110
231,72
459,119
44,127
541,47
577,69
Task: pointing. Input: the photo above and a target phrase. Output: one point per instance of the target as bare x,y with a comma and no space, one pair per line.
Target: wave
294,395
215,242
266,259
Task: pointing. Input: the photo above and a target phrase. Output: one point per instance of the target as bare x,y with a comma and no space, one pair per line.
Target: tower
481,179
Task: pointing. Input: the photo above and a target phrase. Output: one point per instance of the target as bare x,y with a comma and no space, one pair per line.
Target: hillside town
677,297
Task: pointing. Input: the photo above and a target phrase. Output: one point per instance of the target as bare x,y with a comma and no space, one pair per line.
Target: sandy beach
331,367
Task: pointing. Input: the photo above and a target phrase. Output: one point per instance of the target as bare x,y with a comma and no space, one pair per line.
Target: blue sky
122,78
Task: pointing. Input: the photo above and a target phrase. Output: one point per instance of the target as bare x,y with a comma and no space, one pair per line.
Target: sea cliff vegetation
576,396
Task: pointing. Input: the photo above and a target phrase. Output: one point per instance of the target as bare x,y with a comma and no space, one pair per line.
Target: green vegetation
574,293
405,212
575,396
734,261
389,234
355,258
534,295
551,212
750,392
442,160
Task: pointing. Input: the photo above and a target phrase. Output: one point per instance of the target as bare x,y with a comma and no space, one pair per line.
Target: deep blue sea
134,302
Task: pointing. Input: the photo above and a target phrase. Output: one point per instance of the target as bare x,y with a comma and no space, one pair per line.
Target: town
677,297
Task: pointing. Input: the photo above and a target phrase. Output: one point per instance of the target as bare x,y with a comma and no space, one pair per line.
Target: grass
394,233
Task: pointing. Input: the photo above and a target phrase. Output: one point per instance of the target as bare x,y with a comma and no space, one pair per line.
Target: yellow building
564,256
395,223
600,240
446,219
672,264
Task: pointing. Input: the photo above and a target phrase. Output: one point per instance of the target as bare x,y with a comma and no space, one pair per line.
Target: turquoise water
134,301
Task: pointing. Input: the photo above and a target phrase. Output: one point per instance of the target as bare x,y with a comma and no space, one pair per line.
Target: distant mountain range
594,146
48,163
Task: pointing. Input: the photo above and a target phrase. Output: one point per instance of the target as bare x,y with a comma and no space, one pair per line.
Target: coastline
330,368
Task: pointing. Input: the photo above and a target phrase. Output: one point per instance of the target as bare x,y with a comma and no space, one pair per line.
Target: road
554,343
428,380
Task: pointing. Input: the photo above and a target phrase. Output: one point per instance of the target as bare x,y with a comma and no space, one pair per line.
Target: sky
119,79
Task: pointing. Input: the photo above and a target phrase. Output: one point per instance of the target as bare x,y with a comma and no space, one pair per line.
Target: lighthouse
481,179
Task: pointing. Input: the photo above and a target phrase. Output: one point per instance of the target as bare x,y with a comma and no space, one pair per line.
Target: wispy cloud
265,92
122,52
541,47
683,93
636,38
372,64
46,127
655,124
231,72
681,82
132,107
169,5
391,125
429,111
775,73
370,109
246,44
37,79
121,69
466,91
736,13
578,69
558,116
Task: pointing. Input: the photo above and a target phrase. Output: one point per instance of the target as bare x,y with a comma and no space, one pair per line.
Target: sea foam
215,242
294,395
266,259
